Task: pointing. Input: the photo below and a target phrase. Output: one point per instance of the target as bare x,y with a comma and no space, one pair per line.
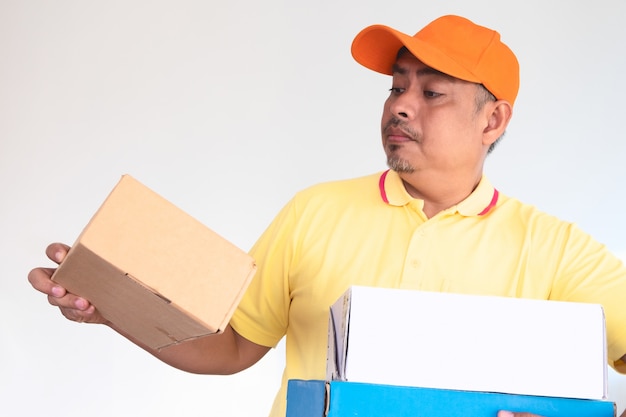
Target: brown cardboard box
154,271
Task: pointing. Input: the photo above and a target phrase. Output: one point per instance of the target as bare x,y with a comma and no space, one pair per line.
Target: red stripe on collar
492,203
381,186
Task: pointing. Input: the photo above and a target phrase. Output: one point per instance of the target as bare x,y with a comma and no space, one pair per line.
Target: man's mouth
397,131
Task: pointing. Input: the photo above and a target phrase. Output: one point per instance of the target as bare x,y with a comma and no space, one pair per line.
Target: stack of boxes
406,353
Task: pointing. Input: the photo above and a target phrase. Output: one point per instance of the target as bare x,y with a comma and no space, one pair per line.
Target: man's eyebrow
397,69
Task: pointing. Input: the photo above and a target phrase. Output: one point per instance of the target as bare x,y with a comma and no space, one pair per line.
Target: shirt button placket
414,259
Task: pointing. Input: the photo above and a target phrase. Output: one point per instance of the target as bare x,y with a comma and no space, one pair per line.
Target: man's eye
396,90
431,94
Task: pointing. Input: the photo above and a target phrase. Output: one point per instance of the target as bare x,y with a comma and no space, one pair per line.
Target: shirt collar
478,203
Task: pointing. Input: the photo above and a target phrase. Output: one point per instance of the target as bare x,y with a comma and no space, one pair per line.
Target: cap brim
376,47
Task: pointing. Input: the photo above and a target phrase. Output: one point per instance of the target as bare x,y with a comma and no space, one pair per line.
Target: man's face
430,124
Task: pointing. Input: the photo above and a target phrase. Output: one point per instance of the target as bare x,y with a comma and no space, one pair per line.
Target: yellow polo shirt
369,231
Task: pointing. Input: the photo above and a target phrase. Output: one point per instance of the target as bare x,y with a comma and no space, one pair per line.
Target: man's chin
401,166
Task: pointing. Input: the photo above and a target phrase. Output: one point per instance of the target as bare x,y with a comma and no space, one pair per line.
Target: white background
228,108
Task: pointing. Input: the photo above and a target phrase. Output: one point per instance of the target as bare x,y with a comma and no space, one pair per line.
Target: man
431,222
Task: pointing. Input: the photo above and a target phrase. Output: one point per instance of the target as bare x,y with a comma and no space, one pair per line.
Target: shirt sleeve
590,273
263,313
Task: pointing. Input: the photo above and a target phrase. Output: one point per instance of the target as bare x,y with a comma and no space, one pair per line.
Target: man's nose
404,106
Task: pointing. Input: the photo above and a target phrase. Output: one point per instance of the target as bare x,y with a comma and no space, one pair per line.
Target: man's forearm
219,354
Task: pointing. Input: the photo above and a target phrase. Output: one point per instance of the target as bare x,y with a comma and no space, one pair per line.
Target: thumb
57,252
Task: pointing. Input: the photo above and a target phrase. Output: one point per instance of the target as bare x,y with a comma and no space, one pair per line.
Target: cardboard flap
338,322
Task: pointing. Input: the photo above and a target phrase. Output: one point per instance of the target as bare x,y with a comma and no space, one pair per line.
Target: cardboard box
154,271
347,399
468,343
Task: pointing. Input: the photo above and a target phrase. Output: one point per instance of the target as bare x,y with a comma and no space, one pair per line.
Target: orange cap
451,44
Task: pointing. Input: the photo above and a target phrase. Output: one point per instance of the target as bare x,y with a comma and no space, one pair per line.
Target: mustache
398,124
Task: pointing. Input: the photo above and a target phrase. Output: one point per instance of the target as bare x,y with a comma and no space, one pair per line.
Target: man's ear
498,116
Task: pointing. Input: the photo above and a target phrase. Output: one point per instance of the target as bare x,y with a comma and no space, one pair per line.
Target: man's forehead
407,62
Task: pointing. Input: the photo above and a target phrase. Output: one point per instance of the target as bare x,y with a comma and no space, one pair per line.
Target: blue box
350,399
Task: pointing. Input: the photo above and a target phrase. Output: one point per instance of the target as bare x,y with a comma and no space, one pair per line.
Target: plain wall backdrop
227,109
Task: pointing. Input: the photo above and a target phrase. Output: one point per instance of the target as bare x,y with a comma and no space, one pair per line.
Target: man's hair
484,96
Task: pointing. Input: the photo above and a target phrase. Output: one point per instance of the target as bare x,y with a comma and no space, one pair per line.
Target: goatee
399,165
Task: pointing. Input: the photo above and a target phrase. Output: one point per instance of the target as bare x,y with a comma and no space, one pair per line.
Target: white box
468,342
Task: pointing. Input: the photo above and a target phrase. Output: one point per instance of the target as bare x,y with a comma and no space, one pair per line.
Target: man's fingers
88,315
68,300
57,251
39,278
76,308
72,307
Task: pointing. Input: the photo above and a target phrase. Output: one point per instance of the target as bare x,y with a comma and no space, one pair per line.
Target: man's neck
439,195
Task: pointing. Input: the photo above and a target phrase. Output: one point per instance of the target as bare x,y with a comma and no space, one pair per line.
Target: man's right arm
218,354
